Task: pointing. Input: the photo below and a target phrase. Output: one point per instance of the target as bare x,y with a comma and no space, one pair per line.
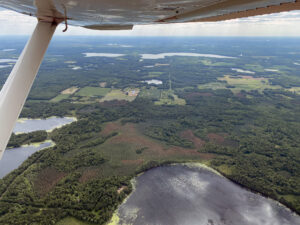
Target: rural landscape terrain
232,104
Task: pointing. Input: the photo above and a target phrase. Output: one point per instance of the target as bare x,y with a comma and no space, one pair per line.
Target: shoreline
24,120
34,144
115,217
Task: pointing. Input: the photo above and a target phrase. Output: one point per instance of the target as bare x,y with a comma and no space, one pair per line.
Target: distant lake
8,60
111,55
163,55
4,66
119,45
76,68
153,81
160,55
271,70
178,194
13,158
8,50
242,71
30,125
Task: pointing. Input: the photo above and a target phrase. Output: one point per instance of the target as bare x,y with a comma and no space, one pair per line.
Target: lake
8,60
13,158
8,50
5,66
242,71
190,195
30,125
111,55
271,70
163,55
153,81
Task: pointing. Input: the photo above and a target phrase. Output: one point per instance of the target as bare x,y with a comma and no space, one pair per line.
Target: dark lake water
30,125
13,158
185,195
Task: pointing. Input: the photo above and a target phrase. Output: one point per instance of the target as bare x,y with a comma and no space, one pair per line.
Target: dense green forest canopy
239,115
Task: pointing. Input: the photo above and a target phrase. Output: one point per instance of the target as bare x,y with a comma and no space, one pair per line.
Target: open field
248,83
87,95
103,84
70,90
151,93
121,150
118,94
92,91
60,97
294,89
208,62
154,74
132,92
169,98
213,86
254,67
238,83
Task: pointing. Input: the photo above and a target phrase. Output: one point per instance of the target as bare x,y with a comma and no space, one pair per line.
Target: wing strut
20,80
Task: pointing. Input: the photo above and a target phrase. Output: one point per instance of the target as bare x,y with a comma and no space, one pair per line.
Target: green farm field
92,91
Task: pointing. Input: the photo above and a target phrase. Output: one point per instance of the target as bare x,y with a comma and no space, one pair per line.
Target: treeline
264,157
169,136
47,109
26,138
93,201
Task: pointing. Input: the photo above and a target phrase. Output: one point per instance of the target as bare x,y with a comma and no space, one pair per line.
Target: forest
250,134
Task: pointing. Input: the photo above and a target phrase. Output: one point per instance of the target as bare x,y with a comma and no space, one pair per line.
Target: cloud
279,24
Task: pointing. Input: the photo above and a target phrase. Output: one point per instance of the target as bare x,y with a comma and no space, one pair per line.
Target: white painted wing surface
16,88
120,14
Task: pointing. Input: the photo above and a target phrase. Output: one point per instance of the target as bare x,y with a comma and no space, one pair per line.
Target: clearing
70,91
294,89
60,97
65,94
151,93
169,98
238,83
208,62
117,94
103,84
121,150
248,83
93,91
154,74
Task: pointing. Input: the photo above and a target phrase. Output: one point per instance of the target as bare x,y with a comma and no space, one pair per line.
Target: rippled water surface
182,195
13,158
30,125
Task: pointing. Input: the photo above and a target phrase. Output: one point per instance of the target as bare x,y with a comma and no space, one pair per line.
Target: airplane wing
118,14
107,15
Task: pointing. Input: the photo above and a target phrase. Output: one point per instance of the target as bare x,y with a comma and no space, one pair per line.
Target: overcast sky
281,24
